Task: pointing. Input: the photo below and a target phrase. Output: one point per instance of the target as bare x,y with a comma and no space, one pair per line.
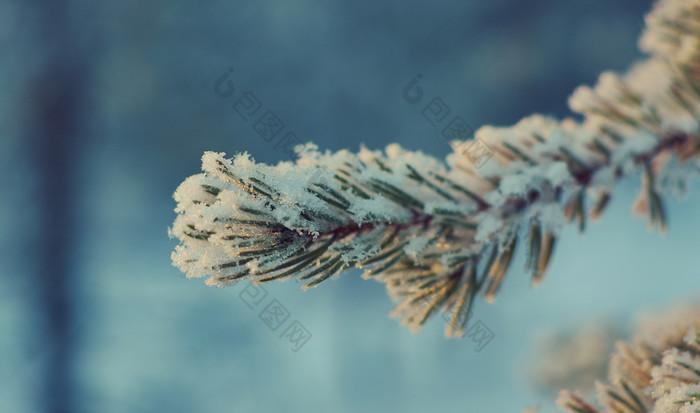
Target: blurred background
106,107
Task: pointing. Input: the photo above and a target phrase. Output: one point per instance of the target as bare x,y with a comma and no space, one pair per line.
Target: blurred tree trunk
57,102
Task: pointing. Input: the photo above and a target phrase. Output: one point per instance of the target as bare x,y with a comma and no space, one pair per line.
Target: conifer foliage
658,371
439,233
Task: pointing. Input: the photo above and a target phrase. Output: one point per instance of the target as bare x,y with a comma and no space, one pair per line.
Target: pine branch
439,233
659,371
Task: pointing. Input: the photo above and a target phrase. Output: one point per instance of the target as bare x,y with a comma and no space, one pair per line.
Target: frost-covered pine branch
438,233
657,372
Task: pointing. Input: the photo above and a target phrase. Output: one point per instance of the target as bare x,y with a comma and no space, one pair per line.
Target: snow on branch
438,233
658,371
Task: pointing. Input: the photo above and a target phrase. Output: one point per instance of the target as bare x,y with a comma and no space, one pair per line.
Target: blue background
107,107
